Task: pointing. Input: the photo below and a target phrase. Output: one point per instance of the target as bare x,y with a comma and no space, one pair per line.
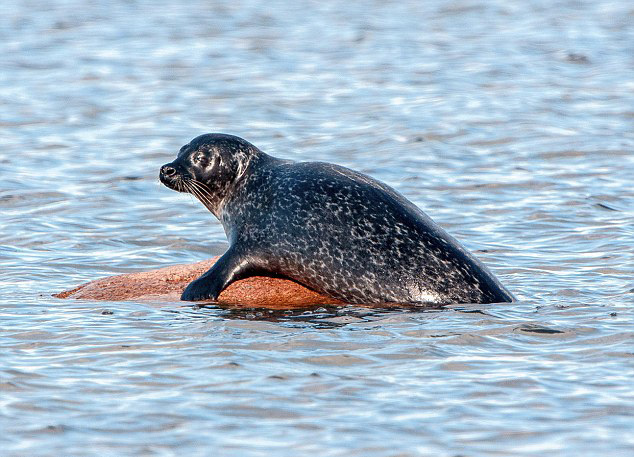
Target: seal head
207,167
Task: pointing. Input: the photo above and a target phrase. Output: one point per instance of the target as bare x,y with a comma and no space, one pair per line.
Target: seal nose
168,171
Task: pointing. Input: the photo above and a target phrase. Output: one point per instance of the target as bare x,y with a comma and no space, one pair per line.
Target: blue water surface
511,123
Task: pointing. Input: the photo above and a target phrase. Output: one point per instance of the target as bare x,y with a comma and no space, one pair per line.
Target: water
509,122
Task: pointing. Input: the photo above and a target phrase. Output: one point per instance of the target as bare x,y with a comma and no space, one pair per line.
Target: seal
334,230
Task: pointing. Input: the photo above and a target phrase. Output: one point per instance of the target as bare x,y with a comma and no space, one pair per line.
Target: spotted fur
332,229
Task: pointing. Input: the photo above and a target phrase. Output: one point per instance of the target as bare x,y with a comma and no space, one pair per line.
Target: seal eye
200,159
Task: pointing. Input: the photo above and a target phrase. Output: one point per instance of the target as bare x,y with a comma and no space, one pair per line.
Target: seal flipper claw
229,268
201,289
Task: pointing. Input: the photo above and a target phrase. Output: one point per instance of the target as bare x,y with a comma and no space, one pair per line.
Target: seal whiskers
200,191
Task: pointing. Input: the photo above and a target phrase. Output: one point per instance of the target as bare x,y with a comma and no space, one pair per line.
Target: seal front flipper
229,268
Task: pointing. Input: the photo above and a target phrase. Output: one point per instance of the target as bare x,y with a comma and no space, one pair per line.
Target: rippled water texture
510,122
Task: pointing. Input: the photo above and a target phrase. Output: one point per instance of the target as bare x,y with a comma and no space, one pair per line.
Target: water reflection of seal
334,230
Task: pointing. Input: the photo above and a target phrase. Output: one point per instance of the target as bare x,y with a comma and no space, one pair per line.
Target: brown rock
167,284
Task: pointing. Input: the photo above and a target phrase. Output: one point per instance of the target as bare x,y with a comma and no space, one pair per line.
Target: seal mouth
176,184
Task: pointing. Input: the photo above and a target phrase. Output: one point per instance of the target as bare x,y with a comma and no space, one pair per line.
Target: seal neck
234,209
257,160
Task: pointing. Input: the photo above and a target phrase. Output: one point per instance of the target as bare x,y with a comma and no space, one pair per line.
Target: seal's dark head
208,167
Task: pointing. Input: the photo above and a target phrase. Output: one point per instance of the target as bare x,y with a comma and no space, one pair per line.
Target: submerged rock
167,284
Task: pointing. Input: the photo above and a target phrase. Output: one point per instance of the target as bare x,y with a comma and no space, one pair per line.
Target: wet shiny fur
334,230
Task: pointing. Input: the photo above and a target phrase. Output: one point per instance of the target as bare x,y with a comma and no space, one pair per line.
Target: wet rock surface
167,284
